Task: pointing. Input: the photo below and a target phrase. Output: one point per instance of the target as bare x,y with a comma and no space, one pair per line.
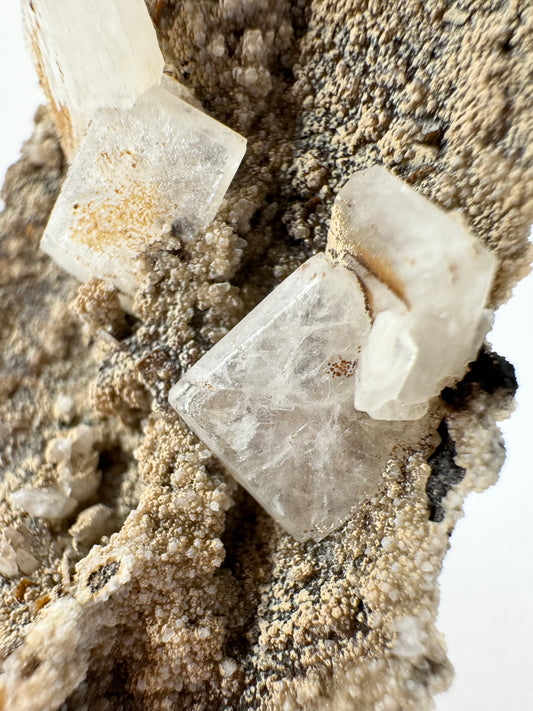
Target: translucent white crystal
26,562
64,408
427,280
136,173
273,400
91,54
8,560
44,502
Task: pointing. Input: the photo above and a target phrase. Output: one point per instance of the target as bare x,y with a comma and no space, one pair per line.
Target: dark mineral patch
99,578
490,371
445,474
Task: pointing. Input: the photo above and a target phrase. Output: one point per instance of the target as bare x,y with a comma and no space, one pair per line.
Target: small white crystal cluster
396,314
146,160
91,54
15,558
74,461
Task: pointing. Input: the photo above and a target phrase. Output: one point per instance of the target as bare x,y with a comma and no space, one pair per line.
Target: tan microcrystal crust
197,601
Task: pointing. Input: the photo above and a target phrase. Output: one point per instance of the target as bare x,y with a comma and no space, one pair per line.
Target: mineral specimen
273,400
320,627
427,280
91,55
138,172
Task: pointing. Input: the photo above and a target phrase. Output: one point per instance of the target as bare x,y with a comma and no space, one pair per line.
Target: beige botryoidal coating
106,59
427,280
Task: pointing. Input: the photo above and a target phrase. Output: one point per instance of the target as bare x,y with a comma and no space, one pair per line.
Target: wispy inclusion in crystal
273,400
137,172
427,281
91,54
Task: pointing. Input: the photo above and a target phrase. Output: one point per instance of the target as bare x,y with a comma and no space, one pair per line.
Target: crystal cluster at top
392,313
91,54
149,162
136,173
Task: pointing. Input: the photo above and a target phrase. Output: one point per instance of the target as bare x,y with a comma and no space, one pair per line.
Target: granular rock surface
167,587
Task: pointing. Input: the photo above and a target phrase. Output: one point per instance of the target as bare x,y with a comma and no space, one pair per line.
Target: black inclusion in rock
491,371
99,578
445,474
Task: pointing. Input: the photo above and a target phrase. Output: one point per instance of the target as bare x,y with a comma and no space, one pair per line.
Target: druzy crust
273,400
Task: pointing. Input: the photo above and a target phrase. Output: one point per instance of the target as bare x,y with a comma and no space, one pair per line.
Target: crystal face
273,400
91,54
427,280
137,172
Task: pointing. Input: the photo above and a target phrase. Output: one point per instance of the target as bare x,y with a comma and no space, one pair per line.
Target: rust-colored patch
341,368
60,113
125,219
158,9
382,270
21,588
41,602
367,296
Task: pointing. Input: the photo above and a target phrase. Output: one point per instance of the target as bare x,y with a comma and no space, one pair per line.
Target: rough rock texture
193,598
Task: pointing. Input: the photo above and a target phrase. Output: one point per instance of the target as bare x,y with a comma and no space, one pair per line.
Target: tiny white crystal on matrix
91,54
273,400
137,172
427,281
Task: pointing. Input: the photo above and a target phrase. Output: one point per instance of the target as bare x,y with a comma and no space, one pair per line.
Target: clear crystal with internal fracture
273,400
426,279
91,54
137,172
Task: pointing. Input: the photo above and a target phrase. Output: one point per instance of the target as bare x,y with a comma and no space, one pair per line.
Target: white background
486,610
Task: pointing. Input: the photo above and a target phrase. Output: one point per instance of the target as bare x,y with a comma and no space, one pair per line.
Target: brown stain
127,218
29,666
382,270
158,9
341,368
367,296
21,588
41,602
60,113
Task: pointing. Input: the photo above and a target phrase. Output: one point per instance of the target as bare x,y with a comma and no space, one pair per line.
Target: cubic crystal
426,279
138,172
273,400
91,54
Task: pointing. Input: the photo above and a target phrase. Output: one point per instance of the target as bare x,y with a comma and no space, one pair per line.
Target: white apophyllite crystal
91,54
44,502
426,279
136,173
8,560
273,400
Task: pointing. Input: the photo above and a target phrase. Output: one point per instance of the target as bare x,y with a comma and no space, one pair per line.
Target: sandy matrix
178,591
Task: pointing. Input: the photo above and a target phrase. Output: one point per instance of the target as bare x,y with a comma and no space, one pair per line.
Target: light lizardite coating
193,598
